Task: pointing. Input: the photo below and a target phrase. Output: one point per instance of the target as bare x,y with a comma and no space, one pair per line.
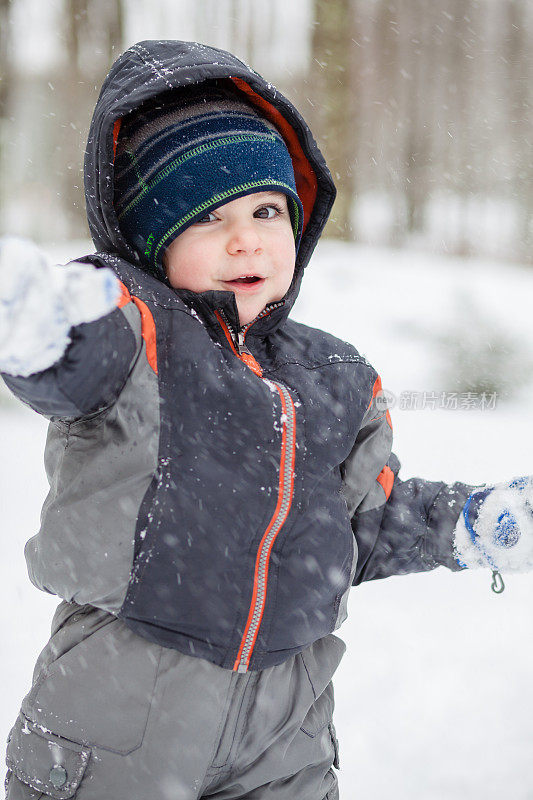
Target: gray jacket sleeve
399,526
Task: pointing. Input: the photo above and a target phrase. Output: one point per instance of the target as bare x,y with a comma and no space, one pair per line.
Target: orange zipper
283,505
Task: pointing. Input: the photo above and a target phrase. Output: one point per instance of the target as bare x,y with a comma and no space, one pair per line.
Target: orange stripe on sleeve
125,296
147,324
148,332
375,390
386,479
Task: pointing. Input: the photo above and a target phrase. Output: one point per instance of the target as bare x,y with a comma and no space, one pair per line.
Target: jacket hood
151,67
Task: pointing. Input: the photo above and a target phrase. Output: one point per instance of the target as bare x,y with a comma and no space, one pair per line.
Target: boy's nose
244,239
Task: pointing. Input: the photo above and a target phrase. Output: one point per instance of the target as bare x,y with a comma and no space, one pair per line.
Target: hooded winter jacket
220,492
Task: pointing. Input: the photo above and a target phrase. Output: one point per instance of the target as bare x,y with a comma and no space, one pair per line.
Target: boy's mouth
246,281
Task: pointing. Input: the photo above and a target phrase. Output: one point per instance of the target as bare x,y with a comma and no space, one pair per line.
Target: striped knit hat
188,151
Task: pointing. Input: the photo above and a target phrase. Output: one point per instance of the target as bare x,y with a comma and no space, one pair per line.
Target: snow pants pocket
319,717
320,662
99,689
47,764
320,714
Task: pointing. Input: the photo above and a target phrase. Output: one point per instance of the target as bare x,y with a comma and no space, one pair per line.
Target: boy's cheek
182,275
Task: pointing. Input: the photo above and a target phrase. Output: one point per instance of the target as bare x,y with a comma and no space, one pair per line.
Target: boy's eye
268,212
209,217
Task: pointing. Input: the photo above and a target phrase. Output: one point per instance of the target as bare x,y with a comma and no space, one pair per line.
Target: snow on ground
434,697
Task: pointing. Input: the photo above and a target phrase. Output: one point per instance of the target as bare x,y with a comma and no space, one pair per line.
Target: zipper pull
240,342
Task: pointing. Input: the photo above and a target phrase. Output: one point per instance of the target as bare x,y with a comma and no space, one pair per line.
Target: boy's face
245,246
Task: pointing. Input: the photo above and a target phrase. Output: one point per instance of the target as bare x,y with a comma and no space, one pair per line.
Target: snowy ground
435,696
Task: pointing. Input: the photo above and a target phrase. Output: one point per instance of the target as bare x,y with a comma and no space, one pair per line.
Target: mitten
39,304
495,528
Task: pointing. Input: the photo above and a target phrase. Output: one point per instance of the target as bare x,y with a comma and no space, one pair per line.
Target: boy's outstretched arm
399,526
65,347
417,525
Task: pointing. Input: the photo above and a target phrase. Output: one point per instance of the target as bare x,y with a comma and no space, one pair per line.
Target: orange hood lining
116,130
306,181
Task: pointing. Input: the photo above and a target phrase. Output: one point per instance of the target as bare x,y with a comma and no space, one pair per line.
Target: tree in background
333,78
5,71
518,72
93,39
5,74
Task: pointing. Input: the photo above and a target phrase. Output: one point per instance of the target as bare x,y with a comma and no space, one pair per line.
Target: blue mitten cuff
495,527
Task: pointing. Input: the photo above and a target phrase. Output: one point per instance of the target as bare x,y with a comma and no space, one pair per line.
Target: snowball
40,302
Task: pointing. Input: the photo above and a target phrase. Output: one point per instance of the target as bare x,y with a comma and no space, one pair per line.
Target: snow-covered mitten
40,302
495,528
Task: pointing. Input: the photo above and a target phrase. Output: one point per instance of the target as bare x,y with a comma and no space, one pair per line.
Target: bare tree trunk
460,103
5,81
418,102
387,111
234,25
249,33
518,74
74,97
5,37
333,50
405,57
250,30
93,37
114,29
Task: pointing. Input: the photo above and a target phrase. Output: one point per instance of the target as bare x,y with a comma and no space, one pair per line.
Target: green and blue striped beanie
185,153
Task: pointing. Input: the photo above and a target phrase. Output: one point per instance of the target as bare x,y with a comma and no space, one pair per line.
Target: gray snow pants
111,716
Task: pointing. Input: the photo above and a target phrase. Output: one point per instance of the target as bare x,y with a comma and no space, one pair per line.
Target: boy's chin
248,312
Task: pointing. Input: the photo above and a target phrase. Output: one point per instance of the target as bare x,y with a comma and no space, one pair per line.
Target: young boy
219,475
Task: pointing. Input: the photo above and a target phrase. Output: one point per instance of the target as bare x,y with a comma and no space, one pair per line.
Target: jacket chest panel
219,453
331,400
223,491
206,391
